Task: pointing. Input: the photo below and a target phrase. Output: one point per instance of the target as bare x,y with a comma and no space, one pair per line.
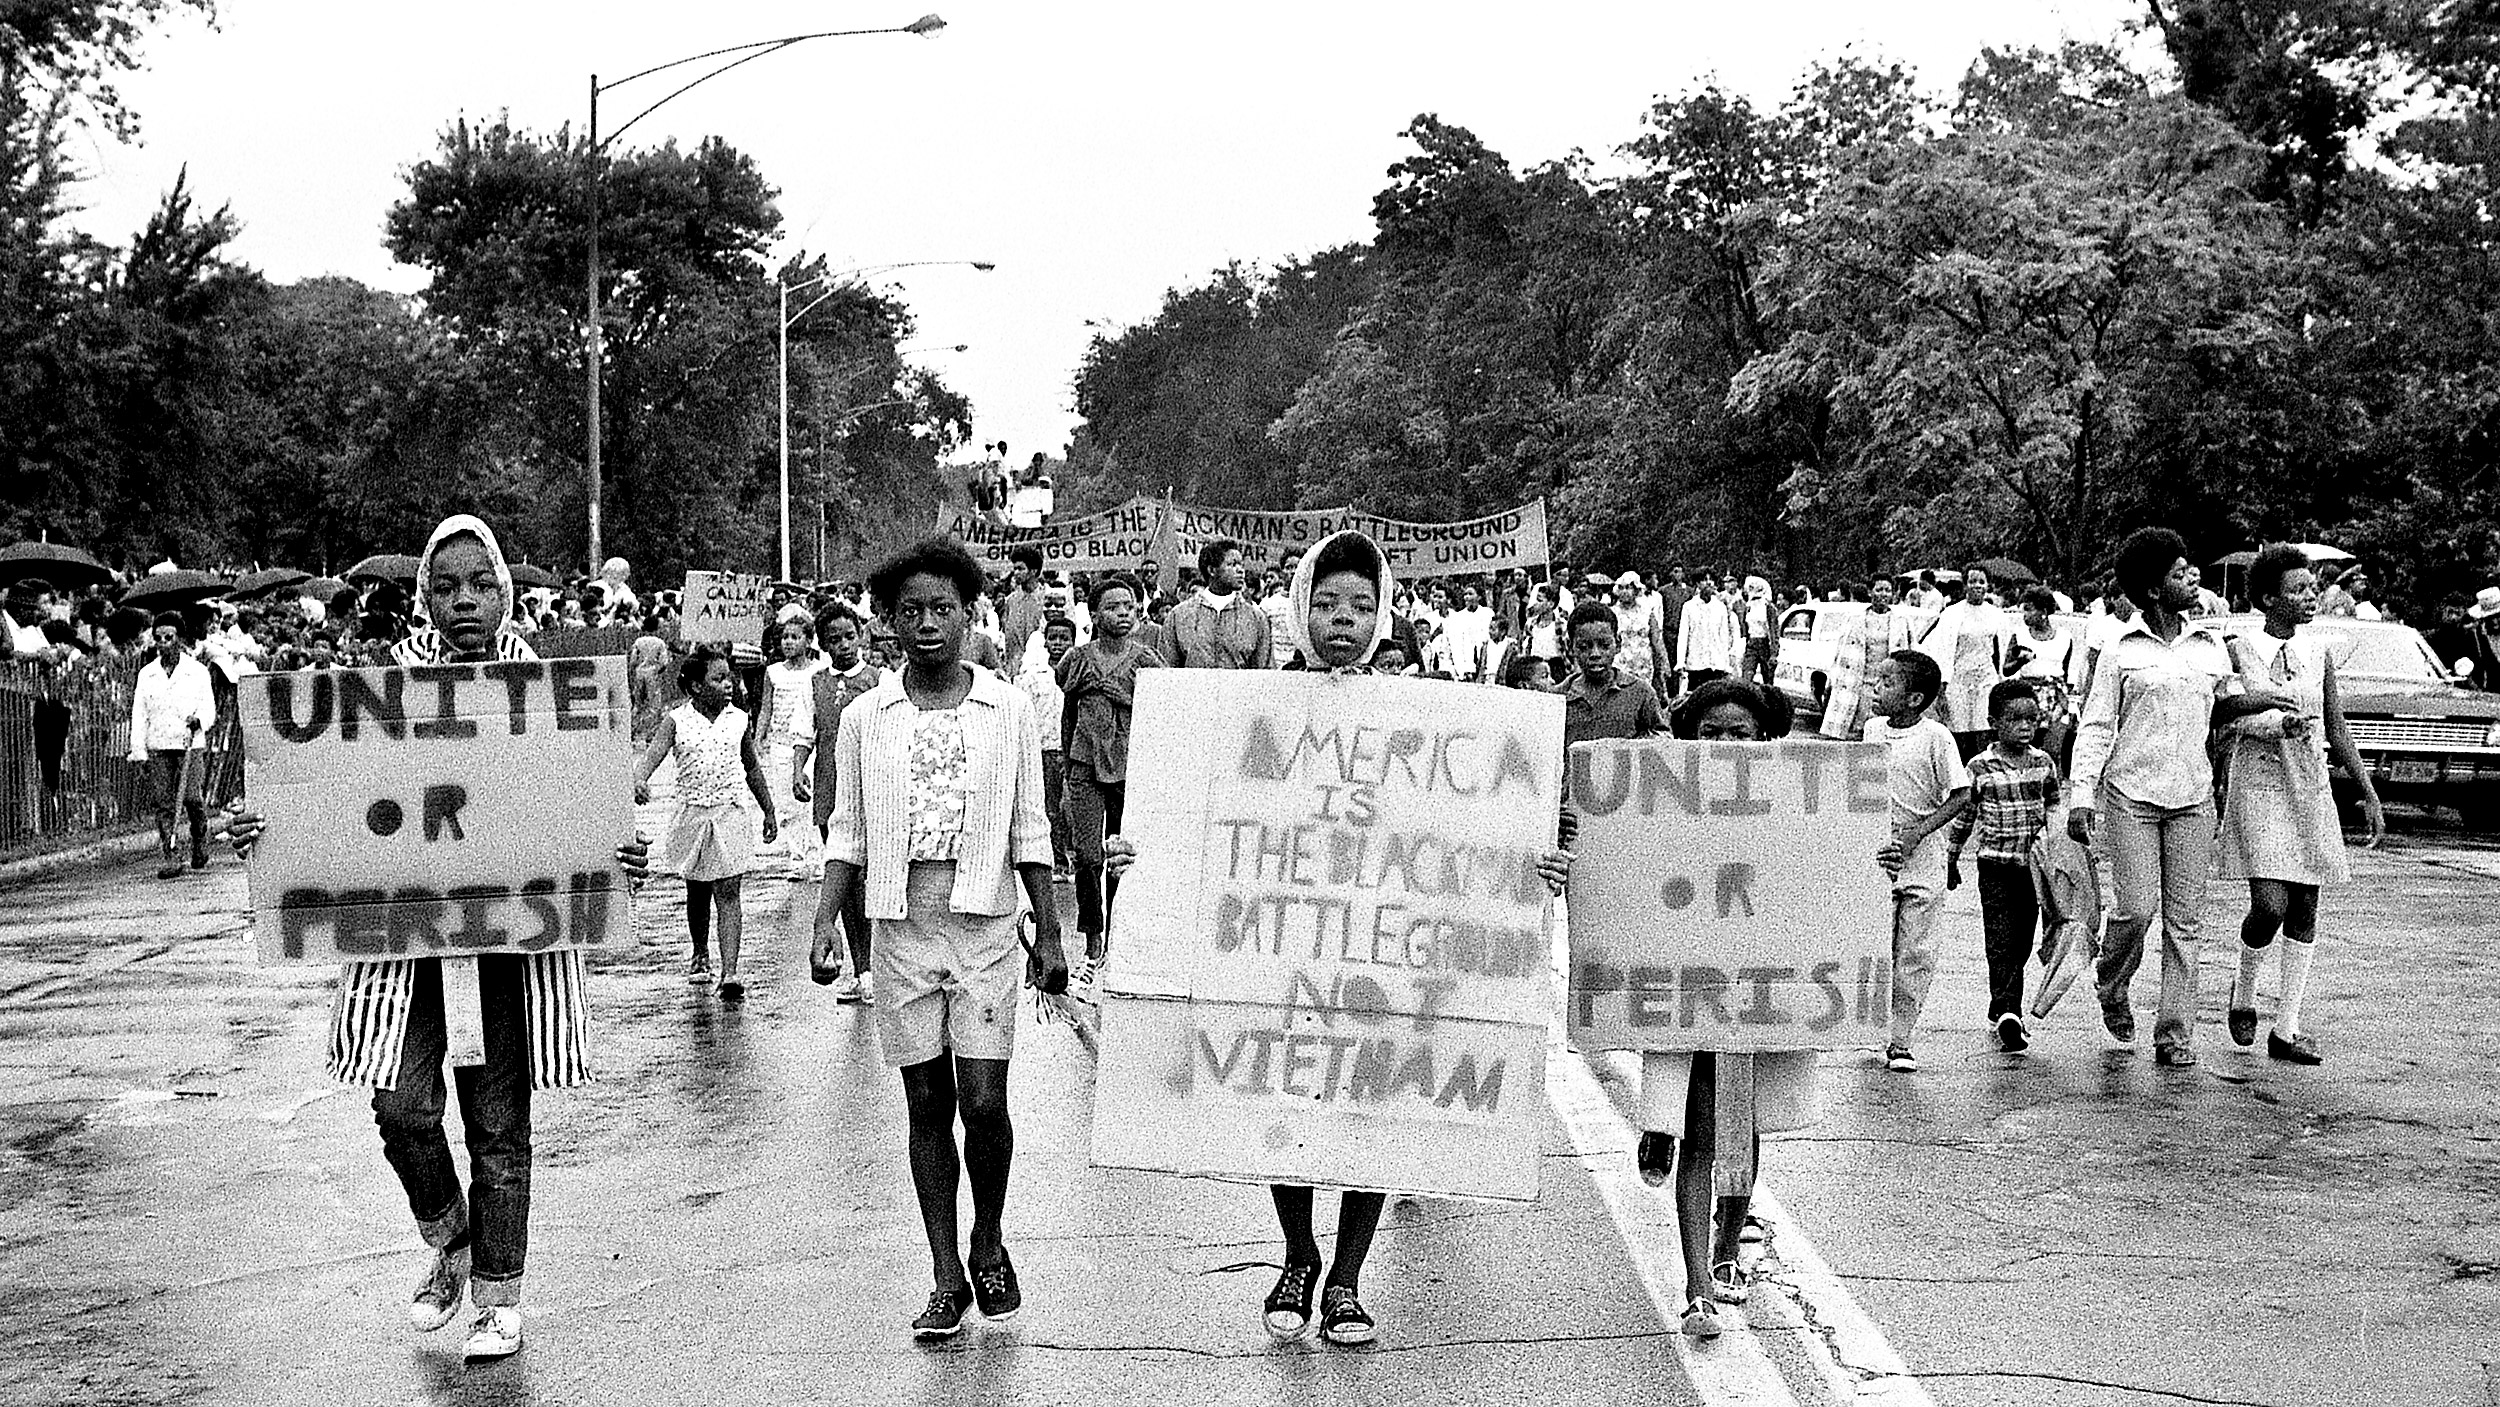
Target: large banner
1725,896
1332,963
1124,539
1141,532
440,810
725,608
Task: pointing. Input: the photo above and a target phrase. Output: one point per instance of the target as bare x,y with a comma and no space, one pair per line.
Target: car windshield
2387,652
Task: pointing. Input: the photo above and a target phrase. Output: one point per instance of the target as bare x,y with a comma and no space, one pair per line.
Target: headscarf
1306,579
427,645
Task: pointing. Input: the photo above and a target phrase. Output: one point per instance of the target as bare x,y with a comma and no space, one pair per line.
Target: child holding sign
388,1027
710,841
1338,624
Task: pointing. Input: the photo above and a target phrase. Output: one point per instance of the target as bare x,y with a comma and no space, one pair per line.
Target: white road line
1735,1369
1731,1370
1875,1372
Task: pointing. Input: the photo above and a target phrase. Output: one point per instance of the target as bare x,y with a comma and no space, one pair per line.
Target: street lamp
736,54
788,319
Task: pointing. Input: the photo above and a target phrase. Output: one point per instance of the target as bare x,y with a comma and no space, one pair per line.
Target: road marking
1731,1370
1851,1355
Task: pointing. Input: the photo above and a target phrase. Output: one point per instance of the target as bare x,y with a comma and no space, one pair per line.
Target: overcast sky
1098,152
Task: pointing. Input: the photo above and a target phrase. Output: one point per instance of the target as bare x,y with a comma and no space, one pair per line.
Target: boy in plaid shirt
2013,786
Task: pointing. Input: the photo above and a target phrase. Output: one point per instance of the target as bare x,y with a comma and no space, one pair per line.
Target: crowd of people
940,749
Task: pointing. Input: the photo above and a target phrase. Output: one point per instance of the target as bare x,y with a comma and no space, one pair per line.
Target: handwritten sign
726,608
443,810
1332,963
1125,538
1725,896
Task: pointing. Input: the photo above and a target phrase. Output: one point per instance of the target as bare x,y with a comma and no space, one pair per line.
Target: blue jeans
495,1113
2160,858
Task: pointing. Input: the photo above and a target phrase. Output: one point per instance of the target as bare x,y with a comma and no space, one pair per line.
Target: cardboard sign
1725,896
441,810
726,608
1331,964
1127,538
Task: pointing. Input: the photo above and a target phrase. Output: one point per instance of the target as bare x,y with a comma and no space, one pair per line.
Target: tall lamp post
790,319
735,55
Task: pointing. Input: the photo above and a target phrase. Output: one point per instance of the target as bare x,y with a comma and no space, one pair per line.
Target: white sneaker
868,989
439,1293
495,1334
847,989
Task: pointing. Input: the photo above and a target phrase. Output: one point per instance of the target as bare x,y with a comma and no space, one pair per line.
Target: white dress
2278,808
711,836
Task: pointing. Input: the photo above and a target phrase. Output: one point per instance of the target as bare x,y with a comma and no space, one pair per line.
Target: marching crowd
940,749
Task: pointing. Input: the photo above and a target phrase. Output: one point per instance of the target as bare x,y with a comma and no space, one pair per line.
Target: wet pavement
190,1212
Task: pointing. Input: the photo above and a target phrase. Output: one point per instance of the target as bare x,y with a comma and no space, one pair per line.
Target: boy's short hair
1773,714
2008,693
1920,672
1095,589
1391,646
1026,555
1059,623
1591,613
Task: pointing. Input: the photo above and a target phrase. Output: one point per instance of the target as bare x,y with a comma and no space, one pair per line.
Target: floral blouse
935,801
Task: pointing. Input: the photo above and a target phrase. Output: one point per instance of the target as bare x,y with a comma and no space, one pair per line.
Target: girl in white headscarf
1338,623
387,1027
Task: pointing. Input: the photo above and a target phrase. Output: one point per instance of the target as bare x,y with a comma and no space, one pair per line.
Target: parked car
1808,636
2424,735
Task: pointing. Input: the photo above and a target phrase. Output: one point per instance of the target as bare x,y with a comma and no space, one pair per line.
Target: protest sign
725,608
1332,964
1493,543
443,810
1497,542
1725,896
1123,539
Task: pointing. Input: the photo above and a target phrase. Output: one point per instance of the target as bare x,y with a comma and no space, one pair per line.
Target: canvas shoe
438,1294
1897,1059
944,1317
495,1333
1287,1312
995,1290
1342,1318
847,987
1701,1319
2011,1037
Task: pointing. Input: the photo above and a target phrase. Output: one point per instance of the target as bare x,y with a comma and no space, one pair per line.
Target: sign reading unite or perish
444,810
1332,964
1725,896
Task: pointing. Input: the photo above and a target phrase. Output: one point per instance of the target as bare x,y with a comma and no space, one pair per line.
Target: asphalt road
189,1212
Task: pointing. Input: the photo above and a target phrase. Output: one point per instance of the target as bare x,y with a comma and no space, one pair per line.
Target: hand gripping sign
443,810
1725,896
1333,964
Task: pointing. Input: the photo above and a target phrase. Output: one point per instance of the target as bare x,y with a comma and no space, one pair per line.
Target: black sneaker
944,1316
199,859
1657,1158
2011,1037
994,1289
2120,1021
2243,1021
2299,1050
1342,1318
172,869
1288,1308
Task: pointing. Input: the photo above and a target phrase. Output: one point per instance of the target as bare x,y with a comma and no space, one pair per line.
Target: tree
1994,315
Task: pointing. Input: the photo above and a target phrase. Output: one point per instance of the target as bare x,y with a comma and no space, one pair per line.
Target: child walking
2014,785
710,841
845,679
1930,787
1040,679
1098,685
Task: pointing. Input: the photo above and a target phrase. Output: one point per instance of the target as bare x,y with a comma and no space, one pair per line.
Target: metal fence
65,743
65,748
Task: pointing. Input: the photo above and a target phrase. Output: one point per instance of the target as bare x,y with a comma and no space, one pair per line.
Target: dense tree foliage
158,398
2250,292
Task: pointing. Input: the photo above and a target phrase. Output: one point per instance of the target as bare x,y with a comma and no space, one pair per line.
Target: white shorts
945,981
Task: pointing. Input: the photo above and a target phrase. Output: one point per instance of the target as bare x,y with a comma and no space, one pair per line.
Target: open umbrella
385,566
2236,559
2006,569
167,591
2320,552
263,582
50,561
321,588
523,574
